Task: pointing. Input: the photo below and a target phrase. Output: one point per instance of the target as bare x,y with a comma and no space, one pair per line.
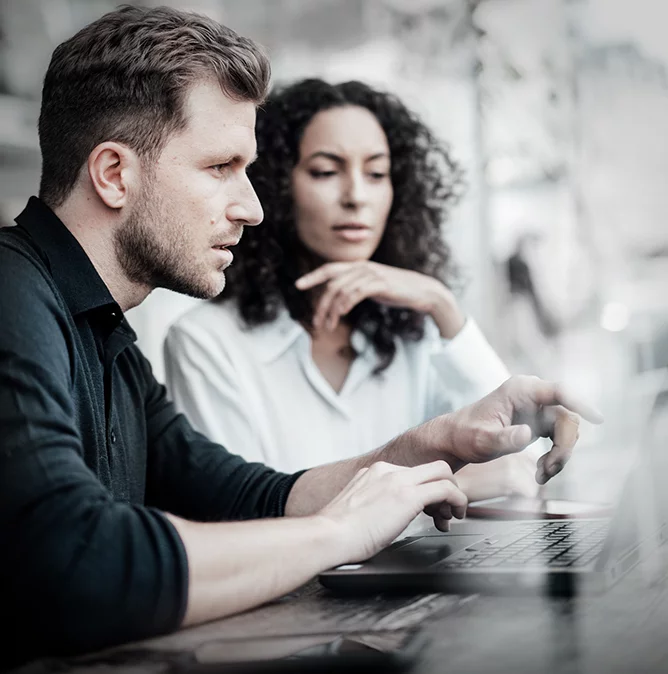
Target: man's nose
246,208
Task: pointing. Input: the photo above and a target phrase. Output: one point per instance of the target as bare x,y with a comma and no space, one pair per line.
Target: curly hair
425,180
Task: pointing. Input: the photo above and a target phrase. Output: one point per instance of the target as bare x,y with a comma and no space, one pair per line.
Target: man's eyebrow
224,158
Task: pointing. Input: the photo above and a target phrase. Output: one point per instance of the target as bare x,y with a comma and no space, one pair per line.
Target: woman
337,329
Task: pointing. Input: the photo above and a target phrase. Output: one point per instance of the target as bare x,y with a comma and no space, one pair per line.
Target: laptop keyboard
562,544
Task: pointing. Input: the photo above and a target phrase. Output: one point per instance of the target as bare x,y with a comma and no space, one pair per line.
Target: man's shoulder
31,306
22,265
14,240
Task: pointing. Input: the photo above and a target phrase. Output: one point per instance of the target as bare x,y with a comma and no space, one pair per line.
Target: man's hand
503,422
380,502
349,283
510,418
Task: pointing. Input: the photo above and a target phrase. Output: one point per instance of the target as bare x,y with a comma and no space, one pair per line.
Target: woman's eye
219,167
377,175
321,174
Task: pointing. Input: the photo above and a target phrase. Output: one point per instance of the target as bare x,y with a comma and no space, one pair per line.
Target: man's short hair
125,78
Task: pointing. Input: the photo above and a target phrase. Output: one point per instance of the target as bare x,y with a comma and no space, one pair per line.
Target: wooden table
624,630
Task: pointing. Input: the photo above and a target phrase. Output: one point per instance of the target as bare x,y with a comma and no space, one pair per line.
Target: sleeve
78,571
196,478
203,382
462,370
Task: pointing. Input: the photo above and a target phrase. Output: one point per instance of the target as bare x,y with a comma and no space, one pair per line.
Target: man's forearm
237,565
425,443
234,566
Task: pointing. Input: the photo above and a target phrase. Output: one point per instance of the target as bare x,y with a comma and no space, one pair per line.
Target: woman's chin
348,254
348,258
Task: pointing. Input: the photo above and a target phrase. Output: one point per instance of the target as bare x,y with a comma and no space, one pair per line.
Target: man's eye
220,167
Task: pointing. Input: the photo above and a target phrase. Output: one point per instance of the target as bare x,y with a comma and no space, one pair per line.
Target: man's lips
222,251
226,244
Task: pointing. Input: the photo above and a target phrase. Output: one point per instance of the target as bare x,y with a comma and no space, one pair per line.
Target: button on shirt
91,454
259,392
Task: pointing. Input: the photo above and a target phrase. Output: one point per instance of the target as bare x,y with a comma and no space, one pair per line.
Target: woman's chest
310,423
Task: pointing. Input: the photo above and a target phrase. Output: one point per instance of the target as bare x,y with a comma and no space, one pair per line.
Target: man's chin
212,291
217,285
202,290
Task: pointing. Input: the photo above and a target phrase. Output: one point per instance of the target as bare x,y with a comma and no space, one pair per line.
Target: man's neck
96,237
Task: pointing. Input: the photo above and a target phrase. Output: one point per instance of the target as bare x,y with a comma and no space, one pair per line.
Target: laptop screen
642,508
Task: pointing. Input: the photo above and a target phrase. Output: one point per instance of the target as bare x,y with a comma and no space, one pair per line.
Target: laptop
555,557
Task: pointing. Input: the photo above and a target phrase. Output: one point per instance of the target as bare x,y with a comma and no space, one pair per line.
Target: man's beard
155,255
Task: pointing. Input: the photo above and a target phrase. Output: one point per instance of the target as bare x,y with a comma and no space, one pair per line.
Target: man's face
195,199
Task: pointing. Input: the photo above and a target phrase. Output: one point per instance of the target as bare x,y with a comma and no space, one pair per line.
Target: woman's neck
332,353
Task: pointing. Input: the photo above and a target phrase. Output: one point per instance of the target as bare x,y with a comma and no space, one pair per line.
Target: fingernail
557,467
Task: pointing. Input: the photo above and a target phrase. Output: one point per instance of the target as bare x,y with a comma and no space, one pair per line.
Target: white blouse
259,393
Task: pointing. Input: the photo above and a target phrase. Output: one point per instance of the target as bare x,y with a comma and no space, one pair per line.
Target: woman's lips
353,233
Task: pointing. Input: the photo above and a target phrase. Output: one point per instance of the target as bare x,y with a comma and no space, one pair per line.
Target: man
115,516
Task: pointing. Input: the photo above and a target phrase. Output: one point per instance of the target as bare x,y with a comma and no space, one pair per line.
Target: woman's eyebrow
341,160
327,155
378,155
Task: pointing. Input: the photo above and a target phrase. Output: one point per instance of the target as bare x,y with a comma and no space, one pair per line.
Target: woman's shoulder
209,326
210,317
220,325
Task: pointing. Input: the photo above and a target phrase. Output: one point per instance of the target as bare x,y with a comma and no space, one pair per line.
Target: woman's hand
349,283
512,475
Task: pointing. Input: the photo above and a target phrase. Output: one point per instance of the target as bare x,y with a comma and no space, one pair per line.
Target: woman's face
341,185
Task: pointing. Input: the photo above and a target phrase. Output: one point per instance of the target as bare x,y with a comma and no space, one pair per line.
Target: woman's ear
113,171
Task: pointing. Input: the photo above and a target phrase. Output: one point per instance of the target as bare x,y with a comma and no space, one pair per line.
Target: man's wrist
433,440
333,537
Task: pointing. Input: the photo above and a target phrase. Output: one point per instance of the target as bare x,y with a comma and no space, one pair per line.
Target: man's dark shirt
91,453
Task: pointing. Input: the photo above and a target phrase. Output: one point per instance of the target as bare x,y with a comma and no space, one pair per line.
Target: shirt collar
72,270
275,338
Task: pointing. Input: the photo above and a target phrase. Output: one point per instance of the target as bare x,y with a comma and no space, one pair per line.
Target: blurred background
557,110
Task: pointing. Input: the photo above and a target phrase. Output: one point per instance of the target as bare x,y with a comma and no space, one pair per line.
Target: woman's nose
354,192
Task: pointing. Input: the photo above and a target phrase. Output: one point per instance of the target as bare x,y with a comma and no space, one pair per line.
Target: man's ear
113,169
